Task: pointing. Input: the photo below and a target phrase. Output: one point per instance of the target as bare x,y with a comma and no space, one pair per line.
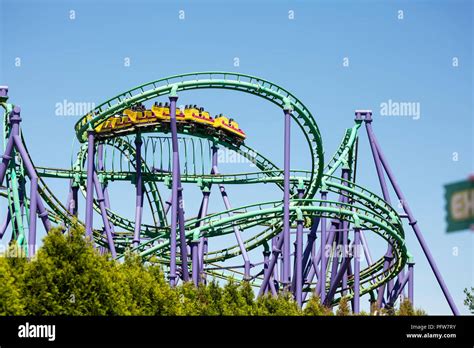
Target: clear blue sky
404,60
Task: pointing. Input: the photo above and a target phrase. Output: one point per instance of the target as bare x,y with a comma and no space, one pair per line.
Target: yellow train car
107,126
123,122
162,112
138,116
198,115
141,118
229,126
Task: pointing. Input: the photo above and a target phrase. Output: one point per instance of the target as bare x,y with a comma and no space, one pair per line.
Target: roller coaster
311,241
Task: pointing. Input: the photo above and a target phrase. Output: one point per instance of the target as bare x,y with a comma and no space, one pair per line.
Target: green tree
210,298
406,308
343,308
69,277
11,302
146,289
281,305
419,311
315,307
235,299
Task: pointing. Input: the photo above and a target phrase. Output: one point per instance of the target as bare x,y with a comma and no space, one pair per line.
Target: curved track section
357,206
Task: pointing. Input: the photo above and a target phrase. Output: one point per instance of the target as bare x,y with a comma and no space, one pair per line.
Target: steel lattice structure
330,209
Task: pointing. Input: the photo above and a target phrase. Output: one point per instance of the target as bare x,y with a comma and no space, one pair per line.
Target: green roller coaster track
365,209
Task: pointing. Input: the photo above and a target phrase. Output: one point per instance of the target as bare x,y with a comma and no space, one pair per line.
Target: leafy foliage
343,309
315,307
406,308
10,297
68,276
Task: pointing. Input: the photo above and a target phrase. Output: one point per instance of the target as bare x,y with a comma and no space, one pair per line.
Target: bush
11,302
281,305
343,308
315,307
68,276
406,308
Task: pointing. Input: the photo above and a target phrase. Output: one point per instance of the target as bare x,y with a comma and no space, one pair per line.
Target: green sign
460,205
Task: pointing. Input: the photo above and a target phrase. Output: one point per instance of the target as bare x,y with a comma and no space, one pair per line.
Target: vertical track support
177,213
90,182
324,256
286,278
298,291
411,220
139,190
356,306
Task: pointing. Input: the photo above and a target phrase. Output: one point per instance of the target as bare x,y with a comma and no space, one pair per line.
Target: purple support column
356,307
43,213
73,203
205,250
368,256
386,196
345,231
40,208
310,246
286,278
299,255
237,234
176,200
182,236
397,289
401,275
225,198
276,251
338,238
197,247
103,187
33,207
266,258
204,205
335,256
69,204
21,194
139,190
411,282
4,226
313,272
14,120
203,212
271,284
275,270
280,258
299,261
322,272
6,157
103,211
337,280
90,184
33,194
413,223
107,200
195,260
35,201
